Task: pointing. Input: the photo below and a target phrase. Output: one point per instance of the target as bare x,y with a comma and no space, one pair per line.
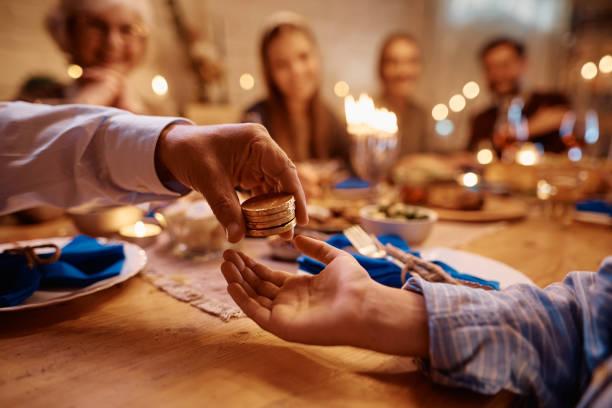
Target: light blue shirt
70,155
551,345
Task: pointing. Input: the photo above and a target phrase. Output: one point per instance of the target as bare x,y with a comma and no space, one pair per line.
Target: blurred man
505,63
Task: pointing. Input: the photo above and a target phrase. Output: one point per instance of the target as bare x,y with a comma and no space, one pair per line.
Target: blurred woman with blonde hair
293,111
399,68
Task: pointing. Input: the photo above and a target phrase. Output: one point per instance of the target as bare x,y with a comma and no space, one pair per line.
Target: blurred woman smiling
293,112
105,40
399,67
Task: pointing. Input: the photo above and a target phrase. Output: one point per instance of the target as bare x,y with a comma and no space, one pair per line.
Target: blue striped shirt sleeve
540,343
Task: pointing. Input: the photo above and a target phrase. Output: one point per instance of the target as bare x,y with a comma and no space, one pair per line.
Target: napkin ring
31,255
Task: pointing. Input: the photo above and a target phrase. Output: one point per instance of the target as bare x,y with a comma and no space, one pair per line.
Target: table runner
201,284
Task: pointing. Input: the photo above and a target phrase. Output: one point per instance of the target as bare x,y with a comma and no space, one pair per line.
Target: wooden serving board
494,209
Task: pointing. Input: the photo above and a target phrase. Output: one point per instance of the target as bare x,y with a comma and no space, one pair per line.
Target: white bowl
412,231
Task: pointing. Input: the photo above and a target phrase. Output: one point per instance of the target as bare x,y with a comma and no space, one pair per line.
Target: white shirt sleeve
75,154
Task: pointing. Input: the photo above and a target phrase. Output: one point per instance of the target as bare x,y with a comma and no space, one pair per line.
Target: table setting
147,294
424,205
210,325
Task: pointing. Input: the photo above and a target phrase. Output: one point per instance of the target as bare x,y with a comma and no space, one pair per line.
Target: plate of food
454,202
494,208
333,214
135,260
413,224
432,181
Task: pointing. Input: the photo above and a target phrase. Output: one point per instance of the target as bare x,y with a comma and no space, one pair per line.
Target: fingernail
232,233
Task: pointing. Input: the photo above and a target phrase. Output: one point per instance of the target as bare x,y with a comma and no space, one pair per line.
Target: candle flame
139,229
363,117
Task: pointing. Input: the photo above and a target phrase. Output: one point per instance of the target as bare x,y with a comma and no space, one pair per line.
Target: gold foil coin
274,222
267,204
271,231
288,214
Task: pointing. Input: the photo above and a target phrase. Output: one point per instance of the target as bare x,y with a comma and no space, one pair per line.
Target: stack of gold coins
269,214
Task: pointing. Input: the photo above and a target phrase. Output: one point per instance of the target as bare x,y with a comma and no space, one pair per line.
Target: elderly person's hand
215,159
339,306
99,86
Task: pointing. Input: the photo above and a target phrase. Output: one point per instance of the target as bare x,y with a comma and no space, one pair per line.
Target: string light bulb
159,85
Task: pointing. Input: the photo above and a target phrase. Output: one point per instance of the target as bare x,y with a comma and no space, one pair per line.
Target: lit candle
364,119
140,233
374,144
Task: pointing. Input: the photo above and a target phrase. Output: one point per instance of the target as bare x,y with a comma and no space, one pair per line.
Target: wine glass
373,155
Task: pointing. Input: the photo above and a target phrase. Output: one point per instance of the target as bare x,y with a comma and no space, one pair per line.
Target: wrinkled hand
99,86
215,159
324,309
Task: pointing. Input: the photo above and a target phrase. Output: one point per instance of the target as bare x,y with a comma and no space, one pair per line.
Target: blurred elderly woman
107,39
294,112
399,67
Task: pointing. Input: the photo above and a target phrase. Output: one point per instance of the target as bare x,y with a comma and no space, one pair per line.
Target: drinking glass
373,155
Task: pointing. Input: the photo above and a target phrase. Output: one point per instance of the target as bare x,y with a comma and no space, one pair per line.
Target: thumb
225,205
319,250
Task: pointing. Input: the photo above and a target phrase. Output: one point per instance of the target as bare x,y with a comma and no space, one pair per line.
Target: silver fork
368,245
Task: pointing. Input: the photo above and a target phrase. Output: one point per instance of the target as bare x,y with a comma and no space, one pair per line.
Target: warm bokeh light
74,71
159,85
484,156
469,179
341,89
544,190
139,229
363,118
589,70
159,217
527,155
605,64
456,103
574,154
444,127
439,112
471,90
247,82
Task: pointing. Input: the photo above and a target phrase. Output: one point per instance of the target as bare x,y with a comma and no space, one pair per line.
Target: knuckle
221,206
258,130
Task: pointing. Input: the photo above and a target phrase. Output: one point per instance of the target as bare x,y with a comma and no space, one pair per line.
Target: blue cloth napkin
381,270
351,183
599,206
83,261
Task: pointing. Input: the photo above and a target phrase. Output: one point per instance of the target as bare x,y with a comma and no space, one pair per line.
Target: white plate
472,264
476,265
135,260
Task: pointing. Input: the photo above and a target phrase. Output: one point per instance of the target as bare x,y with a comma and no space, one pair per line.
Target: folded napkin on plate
599,206
351,183
83,261
383,271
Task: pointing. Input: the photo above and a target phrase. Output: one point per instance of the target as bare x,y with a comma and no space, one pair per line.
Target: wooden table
134,345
